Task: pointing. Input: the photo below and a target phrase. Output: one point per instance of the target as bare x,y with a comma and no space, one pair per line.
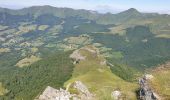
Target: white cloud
106,8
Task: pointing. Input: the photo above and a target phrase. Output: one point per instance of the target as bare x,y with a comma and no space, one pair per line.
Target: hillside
160,82
97,76
28,82
36,44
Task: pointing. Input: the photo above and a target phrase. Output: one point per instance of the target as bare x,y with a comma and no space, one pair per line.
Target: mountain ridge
67,8
129,43
63,12
131,9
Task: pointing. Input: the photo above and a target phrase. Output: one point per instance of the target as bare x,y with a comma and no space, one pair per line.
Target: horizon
101,6
82,9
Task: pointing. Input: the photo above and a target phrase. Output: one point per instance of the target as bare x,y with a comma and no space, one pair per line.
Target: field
2,50
27,61
2,90
161,81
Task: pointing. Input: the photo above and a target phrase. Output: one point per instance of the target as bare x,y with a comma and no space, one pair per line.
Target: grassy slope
2,90
99,78
27,61
161,82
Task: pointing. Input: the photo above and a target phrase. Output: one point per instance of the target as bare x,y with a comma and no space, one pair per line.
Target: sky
113,6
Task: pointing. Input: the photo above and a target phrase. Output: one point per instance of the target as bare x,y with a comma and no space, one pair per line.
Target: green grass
3,91
80,40
161,82
3,27
25,29
43,27
8,31
3,50
99,78
163,36
27,61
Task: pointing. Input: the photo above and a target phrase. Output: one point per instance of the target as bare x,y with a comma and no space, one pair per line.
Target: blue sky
161,6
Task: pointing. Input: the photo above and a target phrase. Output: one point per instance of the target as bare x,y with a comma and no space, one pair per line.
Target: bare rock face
145,92
90,50
61,94
54,94
103,62
93,50
116,95
148,76
77,56
83,90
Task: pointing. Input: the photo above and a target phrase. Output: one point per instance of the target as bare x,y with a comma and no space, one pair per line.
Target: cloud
107,8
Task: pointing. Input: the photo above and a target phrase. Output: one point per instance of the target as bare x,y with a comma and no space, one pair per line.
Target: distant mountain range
65,12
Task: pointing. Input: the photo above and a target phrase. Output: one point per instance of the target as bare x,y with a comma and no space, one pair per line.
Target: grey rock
116,95
54,94
145,92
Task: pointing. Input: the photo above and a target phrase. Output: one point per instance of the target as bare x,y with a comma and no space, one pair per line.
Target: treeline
123,71
139,46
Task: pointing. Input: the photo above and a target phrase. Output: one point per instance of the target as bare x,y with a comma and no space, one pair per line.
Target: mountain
38,46
59,12
130,12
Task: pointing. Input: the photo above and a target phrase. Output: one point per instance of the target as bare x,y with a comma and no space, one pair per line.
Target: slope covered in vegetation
161,80
130,41
98,77
26,83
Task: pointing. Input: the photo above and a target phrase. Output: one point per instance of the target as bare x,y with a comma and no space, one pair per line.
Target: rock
156,96
90,50
77,56
54,94
61,94
145,92
103,62
83,90
145,40
93,50
116,95
148,76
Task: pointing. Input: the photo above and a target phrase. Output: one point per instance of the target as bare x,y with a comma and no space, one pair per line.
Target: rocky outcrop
76,56
61,94
84,93
116,95
145,92
103,62
54,94
91,50
161,67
